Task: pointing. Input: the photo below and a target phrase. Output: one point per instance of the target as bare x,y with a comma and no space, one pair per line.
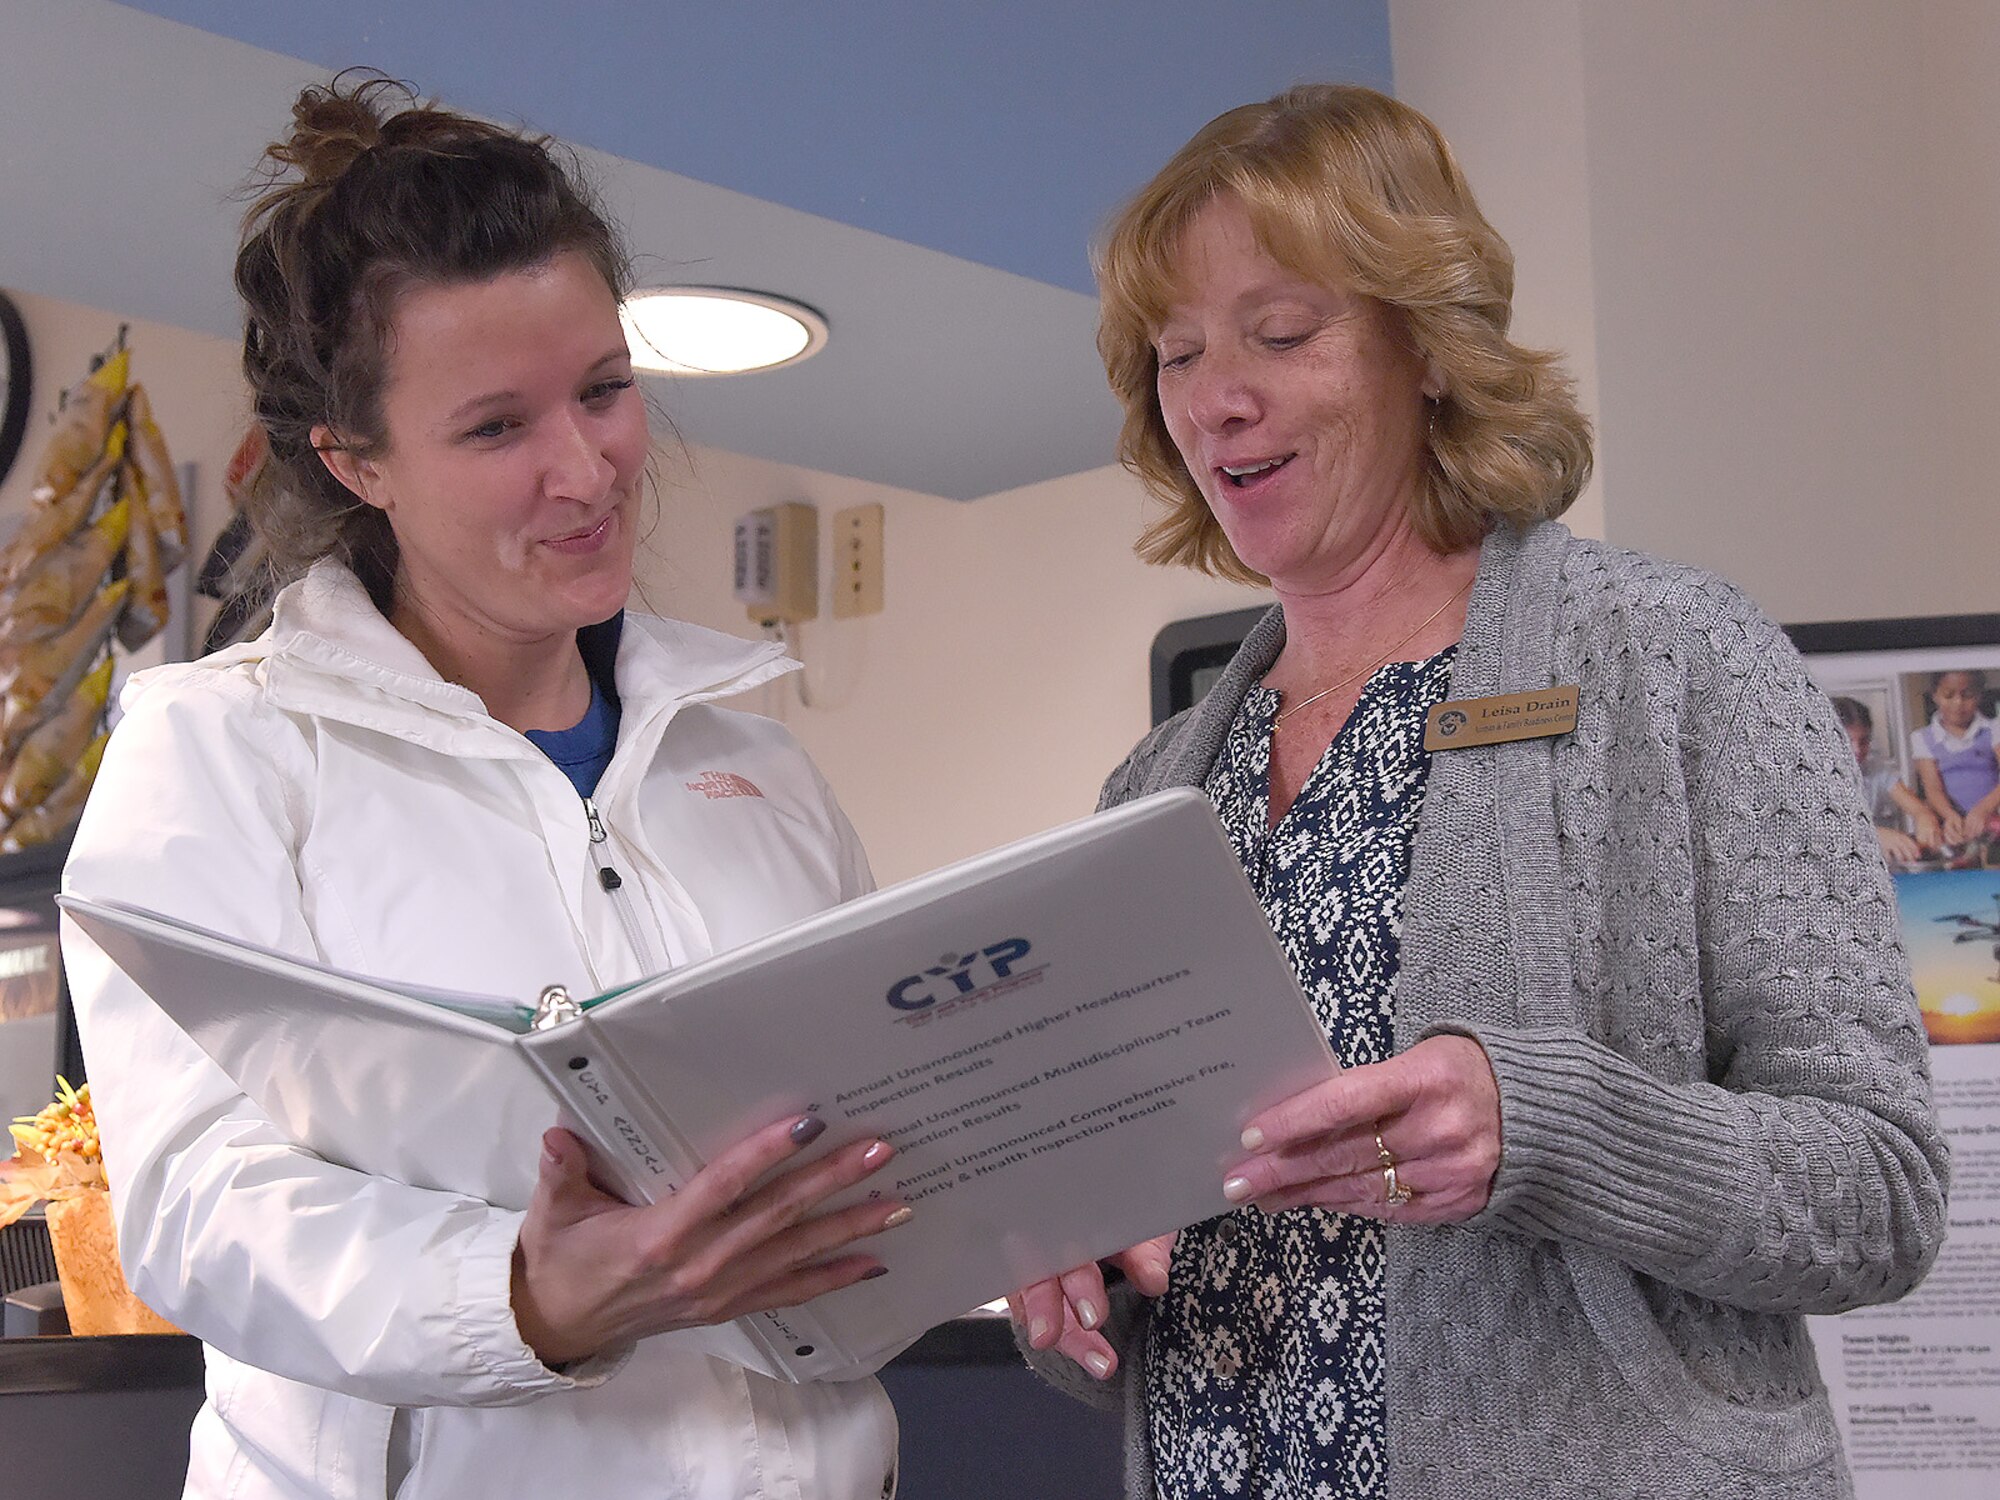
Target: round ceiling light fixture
715,330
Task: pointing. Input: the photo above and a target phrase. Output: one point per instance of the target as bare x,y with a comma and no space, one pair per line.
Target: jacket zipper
613,885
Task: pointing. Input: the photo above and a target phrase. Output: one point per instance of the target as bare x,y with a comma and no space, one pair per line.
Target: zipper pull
553,1009
606,876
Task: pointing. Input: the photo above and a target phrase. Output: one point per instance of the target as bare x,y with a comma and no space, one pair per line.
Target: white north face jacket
323,791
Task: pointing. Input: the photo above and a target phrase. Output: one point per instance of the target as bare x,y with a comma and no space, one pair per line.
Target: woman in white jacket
453,759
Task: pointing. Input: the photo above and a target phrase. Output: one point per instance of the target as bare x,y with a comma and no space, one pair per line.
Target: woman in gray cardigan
1634,1077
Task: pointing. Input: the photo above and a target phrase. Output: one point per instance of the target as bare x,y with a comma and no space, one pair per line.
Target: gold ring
1395,1192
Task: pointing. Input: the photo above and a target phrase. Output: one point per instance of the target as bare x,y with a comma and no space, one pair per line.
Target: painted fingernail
1253,1139
873,1271
1038,1330
902,1215
1088,1315
806,1129
1098,1364
876,1154
1236,1189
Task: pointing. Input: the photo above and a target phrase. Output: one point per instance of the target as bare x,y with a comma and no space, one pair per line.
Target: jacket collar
331,654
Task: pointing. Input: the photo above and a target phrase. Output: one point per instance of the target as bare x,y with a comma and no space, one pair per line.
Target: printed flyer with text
1916,1384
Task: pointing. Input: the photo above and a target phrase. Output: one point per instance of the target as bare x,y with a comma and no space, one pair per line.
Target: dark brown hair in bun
373,191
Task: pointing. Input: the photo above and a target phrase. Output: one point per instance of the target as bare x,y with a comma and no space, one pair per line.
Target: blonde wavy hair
1347,187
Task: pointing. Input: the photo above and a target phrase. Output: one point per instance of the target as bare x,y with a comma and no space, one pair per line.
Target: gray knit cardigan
1672,934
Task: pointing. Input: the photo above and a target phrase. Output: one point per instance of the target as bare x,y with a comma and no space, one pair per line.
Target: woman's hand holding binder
1068,1312
593,1273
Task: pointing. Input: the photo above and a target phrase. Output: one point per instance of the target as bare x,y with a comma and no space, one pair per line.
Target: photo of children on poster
1916,1384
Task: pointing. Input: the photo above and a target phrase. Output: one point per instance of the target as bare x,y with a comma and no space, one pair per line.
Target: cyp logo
1450,722
956,974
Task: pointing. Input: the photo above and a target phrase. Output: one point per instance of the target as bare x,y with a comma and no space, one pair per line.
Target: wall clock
14,383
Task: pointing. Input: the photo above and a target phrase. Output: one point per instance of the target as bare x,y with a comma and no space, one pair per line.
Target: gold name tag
1458,723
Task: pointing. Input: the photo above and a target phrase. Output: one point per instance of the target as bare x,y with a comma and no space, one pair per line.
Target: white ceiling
926,176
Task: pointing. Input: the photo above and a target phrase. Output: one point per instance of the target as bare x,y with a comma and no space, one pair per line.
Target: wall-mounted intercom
777,563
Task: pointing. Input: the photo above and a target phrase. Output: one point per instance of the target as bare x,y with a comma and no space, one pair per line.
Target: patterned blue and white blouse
1264,1371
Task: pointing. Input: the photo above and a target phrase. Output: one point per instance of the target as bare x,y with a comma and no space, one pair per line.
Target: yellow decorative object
48,596
68,1127
61,807
54,746
83,574
37,678
88,409
155,470
51,520
146,614
58,1161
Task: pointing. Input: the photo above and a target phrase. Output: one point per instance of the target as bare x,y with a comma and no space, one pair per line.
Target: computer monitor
1189,655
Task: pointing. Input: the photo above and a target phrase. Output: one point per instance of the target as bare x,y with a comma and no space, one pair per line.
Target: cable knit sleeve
1798,1167
1131,776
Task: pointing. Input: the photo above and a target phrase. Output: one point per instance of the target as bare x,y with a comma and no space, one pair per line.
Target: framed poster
1916,1384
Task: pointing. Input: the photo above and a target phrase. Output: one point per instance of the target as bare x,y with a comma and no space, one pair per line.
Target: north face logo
714,784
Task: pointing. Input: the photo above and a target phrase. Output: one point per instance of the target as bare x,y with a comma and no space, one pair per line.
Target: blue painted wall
999,133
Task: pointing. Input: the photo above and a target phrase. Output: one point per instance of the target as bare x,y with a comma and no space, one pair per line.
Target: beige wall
1960,166
1510,99
1777,230
1006,675
1769,250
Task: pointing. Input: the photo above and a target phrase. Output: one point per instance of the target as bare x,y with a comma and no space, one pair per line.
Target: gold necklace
1352,676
